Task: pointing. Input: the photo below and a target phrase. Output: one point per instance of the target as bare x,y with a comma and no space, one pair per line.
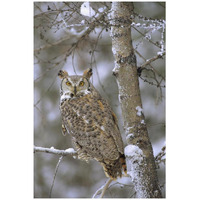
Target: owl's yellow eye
68,83
81,83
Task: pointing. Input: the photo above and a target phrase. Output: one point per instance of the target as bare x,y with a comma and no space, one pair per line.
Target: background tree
75,36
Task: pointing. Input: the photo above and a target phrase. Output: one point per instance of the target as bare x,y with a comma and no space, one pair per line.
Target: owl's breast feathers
95,133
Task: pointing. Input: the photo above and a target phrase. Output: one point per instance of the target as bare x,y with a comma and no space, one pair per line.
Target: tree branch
69,151
80,36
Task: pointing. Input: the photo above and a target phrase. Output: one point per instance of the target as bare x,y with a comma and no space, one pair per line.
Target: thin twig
151,60
46,46
48,89
103,188
106,187
98,191
61,157
147,38
137,52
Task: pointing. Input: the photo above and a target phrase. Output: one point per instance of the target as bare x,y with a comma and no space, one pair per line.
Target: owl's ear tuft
62,74
87,73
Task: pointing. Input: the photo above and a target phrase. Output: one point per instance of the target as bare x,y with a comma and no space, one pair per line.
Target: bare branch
84,33
56,170
103,188
151,60
46,46
137,52
147,38
51,150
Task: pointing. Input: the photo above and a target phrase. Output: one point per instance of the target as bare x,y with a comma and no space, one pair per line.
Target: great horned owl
89,119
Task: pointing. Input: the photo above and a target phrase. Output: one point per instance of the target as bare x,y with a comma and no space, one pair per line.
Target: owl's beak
75,90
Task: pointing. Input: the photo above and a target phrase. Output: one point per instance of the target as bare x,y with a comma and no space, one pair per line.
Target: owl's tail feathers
113,169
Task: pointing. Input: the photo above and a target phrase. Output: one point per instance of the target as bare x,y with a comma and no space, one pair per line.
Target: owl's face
74,86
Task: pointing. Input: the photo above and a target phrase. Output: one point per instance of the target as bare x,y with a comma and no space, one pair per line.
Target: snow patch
86,10
160,53
134,151
114,50
130,136
135,25
139,111
116,68
102,9
128,130
83,21
70,150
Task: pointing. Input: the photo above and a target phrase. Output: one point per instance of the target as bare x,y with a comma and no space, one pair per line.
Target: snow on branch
69,151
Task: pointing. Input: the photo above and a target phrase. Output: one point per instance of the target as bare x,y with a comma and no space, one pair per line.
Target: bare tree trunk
139,151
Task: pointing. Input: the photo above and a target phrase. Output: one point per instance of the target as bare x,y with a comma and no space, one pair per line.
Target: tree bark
139,151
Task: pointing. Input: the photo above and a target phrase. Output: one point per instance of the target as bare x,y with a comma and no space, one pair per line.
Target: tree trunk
139,151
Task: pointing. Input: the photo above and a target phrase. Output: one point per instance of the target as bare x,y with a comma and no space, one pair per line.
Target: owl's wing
110,127
117,136
115,130
101,147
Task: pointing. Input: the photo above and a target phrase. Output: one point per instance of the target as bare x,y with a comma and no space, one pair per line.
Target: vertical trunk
139,151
